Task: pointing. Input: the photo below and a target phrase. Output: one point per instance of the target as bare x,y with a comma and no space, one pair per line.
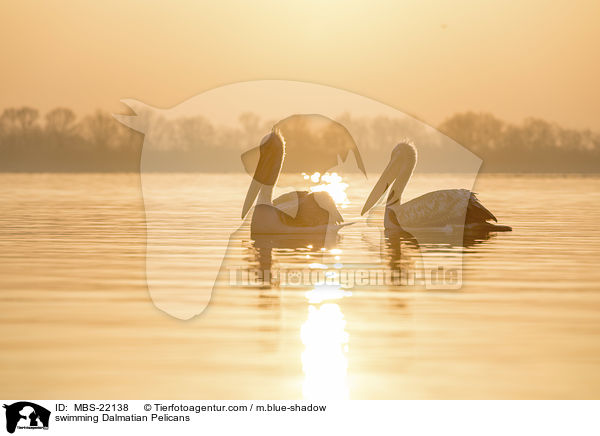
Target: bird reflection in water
302,249
403,250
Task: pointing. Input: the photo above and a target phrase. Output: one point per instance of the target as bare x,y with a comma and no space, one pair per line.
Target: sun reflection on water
325,339
326,292
324,359
331,183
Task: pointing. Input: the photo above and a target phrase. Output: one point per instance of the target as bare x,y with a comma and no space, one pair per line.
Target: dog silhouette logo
26,415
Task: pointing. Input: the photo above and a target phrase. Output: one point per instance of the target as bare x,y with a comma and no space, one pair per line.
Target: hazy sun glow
331,183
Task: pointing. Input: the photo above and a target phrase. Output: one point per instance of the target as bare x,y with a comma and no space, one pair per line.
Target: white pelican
438,210
296,212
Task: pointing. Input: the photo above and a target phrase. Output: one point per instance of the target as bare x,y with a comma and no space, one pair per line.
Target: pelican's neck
265,196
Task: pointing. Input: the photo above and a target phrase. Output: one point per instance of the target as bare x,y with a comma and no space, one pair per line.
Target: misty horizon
60,141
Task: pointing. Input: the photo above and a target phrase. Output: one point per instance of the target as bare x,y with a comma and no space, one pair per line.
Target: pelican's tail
478,217
339,226
487,227
477,211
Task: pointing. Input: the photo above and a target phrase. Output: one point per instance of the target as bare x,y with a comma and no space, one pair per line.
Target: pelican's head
404,151
402,163
270,161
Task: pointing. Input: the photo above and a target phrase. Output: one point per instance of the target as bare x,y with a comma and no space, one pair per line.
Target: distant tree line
61,142
534,145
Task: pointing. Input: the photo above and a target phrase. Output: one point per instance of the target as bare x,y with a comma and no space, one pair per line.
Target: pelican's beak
253,191
264,175
387,178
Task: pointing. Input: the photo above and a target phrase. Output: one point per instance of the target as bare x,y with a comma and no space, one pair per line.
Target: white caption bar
22,417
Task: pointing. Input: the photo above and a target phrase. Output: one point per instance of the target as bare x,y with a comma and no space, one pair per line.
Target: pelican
296,212
438,210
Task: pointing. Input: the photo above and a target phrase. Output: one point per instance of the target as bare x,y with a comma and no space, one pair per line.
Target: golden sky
428,58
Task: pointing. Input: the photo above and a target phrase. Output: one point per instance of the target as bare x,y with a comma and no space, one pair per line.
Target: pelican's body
441,210
438,210
296,212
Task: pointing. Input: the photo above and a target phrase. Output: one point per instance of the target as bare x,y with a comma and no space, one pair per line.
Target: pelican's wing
289,202
434,209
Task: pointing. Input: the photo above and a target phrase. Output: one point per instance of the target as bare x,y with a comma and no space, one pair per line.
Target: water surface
77,320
